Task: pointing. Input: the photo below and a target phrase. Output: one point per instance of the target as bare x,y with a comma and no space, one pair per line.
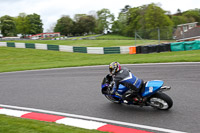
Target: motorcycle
151,94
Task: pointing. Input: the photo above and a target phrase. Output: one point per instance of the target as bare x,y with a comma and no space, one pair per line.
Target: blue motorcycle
151,94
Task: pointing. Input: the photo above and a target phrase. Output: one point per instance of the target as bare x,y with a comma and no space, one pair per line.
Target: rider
125,77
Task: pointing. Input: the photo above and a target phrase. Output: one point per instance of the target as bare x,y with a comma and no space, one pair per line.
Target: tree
64,26
186,17
8,27
125,9
116,29
78,16
35,24
178,20
147,19
155,17
105,19
22,24
134,17
120,25
85,24
179,13
192,15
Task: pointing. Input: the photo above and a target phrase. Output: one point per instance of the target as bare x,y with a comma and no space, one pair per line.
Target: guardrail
177,46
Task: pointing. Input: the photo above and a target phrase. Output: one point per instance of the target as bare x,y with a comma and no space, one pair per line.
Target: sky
52,10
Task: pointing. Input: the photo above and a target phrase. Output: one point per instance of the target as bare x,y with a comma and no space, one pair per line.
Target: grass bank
102,41
15,59
18,125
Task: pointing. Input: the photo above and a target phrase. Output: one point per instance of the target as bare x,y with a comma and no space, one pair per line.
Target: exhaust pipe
165,88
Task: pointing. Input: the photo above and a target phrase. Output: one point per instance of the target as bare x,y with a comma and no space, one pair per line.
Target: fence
144,35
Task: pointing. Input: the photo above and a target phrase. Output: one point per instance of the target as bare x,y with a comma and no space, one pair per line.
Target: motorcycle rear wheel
161,101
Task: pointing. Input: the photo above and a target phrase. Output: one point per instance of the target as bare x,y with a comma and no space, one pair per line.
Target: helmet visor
112,70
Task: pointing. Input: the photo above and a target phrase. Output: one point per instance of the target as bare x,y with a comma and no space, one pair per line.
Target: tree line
145,19
148,19
22,24
94,23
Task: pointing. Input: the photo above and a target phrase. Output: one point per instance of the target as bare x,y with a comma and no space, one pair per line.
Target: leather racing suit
126,78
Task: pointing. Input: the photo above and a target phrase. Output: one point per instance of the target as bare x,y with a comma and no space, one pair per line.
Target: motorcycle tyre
161,96
112,99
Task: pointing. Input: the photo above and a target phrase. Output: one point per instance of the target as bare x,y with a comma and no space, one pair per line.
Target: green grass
79,37
15,59
106,42
18,125
115,37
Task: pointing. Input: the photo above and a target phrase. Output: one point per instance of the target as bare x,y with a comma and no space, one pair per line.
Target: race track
77,91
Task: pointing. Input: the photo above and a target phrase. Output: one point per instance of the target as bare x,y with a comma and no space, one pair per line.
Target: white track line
93,118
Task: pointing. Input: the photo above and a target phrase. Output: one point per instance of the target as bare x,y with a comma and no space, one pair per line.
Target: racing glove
113,91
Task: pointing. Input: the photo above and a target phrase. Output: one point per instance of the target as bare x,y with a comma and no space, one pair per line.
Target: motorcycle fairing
122,89
152,87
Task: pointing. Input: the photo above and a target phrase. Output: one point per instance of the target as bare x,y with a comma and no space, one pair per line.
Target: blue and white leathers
127,79
132,79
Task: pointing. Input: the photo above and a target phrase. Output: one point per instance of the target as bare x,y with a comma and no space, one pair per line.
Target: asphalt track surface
77,91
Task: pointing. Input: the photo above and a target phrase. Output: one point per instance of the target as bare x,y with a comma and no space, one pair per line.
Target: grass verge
15,59
19,125
102,41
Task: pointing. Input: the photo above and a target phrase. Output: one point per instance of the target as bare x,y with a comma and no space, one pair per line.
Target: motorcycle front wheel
161,101
113,99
